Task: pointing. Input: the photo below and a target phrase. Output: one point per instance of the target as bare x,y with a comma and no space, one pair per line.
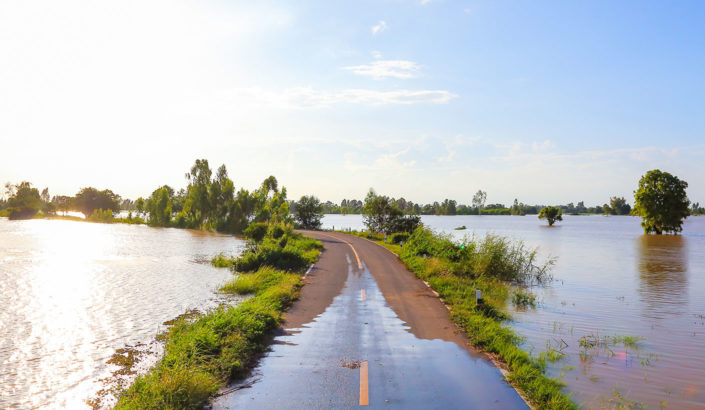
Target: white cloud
380,27
308,97
402,69
376,54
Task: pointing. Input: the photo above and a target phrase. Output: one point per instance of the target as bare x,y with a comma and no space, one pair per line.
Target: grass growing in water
202,354
455,270
523,300
222,261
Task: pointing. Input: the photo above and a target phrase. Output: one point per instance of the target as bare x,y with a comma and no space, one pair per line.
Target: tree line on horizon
211,202
615,206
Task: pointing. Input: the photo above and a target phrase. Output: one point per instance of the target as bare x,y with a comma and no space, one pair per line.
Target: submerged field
624,318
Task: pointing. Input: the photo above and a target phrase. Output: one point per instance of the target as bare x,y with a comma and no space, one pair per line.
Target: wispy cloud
385,162
308,97
379,27
402,69
453,145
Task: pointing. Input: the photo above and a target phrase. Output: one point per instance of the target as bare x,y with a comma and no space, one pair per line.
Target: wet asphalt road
321,363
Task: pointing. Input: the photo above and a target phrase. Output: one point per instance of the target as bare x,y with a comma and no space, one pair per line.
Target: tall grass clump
222,261
491,264
493,256
202,354
278,247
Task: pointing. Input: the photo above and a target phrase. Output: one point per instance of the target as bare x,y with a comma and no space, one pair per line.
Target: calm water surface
610,280
71,293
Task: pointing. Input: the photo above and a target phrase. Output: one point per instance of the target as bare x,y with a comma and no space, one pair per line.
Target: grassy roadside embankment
455,270
202,355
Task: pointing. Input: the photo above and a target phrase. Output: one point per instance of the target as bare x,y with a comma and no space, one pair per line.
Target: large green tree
89,199
159,206
140,206
221,191
309,212
378,211
24,201
241,211
381,214
661,202
551,214
198,199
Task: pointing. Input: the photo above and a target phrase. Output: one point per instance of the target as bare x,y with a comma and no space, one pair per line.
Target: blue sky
547,102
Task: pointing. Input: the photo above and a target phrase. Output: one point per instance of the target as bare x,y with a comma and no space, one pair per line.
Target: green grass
627,341
287,251
202,354
490,264
222,261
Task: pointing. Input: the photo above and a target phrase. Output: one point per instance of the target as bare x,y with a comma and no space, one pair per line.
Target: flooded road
359,351
74,292
611,282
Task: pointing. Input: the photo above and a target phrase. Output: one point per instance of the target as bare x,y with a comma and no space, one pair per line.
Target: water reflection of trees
663,269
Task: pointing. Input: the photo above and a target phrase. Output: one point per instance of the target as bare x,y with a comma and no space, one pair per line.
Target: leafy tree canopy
159,206
89,199
309,212
24,201
381,214
617,206
551,214
661,202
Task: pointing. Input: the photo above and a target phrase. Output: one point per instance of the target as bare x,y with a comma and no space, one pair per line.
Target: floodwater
317,366
72,293
610,280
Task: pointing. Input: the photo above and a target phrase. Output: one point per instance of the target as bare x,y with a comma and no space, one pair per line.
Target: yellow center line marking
364,392
364,295
359,264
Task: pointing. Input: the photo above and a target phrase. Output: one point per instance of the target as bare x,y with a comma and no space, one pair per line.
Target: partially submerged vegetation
523,300
551,214
490,264
662,202
203,354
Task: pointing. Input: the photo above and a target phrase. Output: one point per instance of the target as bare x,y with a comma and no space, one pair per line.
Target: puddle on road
317,364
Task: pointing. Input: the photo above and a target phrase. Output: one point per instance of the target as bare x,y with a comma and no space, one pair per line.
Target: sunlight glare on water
73,292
